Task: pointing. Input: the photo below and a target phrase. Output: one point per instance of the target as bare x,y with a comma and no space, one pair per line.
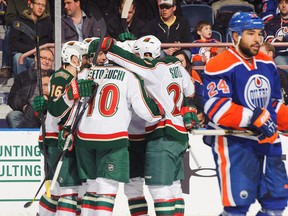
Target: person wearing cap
242,91
168,27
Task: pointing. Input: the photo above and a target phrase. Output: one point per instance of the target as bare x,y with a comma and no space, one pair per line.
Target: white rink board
20,178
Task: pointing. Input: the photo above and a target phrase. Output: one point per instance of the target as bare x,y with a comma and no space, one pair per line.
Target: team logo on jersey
257,91
244,194
282,31
110,167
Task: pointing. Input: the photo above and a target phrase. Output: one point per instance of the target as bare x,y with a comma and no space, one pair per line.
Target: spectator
24,88
269,50
169,28
13,11
23,31
133,25
150,9
203,30
197,100
77,25
268,9
276,31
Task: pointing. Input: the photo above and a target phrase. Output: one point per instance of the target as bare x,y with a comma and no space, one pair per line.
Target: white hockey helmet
73,48
148,44
127,45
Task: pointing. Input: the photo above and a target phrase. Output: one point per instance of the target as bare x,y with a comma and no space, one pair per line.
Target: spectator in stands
14,9
133,24
150,9
32,22
276,31
203,32
197,100
269,50
169,28
269,8
25,88
77,25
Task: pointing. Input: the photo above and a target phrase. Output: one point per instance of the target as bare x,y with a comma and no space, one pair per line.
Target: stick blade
28,204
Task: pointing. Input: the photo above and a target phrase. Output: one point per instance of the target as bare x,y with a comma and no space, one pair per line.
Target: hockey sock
179,207
67,205
138,206
105,204
48,206
164,207
88,204
78,209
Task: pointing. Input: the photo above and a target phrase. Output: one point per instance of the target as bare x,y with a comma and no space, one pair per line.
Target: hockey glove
262,123
126,36
62,138
190,118
39,104
82,88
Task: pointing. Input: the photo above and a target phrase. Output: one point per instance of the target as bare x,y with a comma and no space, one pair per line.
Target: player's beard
247,51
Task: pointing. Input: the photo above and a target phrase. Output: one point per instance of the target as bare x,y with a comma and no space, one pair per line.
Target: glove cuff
188,109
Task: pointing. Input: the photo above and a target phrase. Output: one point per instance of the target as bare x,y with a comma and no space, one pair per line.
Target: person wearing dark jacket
22,36
169,28
77,25
133,24
24,89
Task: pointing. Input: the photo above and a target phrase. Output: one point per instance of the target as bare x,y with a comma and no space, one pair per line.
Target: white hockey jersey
106,120
166,81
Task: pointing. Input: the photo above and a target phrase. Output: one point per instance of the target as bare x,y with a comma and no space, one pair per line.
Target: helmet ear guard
147,44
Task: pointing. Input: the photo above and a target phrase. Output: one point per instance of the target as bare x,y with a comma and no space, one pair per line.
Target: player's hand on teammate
190,118
105,46
80,88
262,122
62,137
126,36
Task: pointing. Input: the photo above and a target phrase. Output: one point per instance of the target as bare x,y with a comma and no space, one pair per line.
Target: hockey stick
39,79
28,204
223,132
124,14
197,172
67,141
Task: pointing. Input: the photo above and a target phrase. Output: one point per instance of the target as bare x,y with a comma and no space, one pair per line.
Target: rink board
21,174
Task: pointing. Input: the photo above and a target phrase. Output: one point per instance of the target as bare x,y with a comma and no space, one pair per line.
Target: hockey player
102,137
242,90
65,90
166,80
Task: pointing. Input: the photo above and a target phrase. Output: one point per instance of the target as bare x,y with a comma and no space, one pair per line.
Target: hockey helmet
73,48
241,21
147,44
127,45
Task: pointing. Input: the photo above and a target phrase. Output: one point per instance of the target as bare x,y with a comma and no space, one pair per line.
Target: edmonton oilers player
242,90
